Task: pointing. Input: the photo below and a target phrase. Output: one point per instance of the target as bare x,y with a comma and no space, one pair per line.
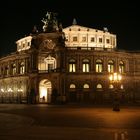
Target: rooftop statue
50,22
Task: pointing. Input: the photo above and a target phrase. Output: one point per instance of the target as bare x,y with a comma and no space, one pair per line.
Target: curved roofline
87,28
22,39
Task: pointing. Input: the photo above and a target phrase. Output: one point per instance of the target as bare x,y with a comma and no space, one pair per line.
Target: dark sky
18,17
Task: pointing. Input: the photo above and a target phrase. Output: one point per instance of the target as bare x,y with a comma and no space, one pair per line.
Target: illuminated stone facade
78,36
69,65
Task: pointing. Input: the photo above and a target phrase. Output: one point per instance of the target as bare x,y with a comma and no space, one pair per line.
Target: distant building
68,65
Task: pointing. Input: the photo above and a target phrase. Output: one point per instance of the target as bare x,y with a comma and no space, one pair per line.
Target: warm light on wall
10,90
20,90
115,77
43,92
2,90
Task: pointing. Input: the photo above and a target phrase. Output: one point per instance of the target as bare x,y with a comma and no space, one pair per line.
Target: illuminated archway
45,90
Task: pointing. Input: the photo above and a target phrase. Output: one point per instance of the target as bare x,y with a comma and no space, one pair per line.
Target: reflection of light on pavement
123,135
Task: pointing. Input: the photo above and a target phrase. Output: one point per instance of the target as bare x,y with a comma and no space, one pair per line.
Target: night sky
18,17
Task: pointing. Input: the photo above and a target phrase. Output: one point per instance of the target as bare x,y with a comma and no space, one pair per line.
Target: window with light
48,63
42,65
99,66
72,86
22,68
121,67
14,69
7,70
86,86
72,65
110,66
85,65
99,86
111,86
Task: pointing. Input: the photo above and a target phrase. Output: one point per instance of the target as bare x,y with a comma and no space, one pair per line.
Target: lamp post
115,79
20,91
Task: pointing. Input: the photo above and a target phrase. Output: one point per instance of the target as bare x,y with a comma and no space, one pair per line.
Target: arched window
50,63
99,86
72,86
111,86
47,64
7,70
99,65
85,65
42,64
72,65
22,68
86,86
110,66
14,69
121,67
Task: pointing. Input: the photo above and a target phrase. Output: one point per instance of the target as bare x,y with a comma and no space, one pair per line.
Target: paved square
68,122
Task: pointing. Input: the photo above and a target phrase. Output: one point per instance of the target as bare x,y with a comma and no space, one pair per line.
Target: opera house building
75,64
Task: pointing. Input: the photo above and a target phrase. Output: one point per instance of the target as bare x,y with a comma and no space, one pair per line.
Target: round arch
45,91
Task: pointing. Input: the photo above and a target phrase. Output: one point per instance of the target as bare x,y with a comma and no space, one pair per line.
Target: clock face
48,44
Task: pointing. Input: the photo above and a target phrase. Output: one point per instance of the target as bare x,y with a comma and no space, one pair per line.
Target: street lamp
20,92
115,79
